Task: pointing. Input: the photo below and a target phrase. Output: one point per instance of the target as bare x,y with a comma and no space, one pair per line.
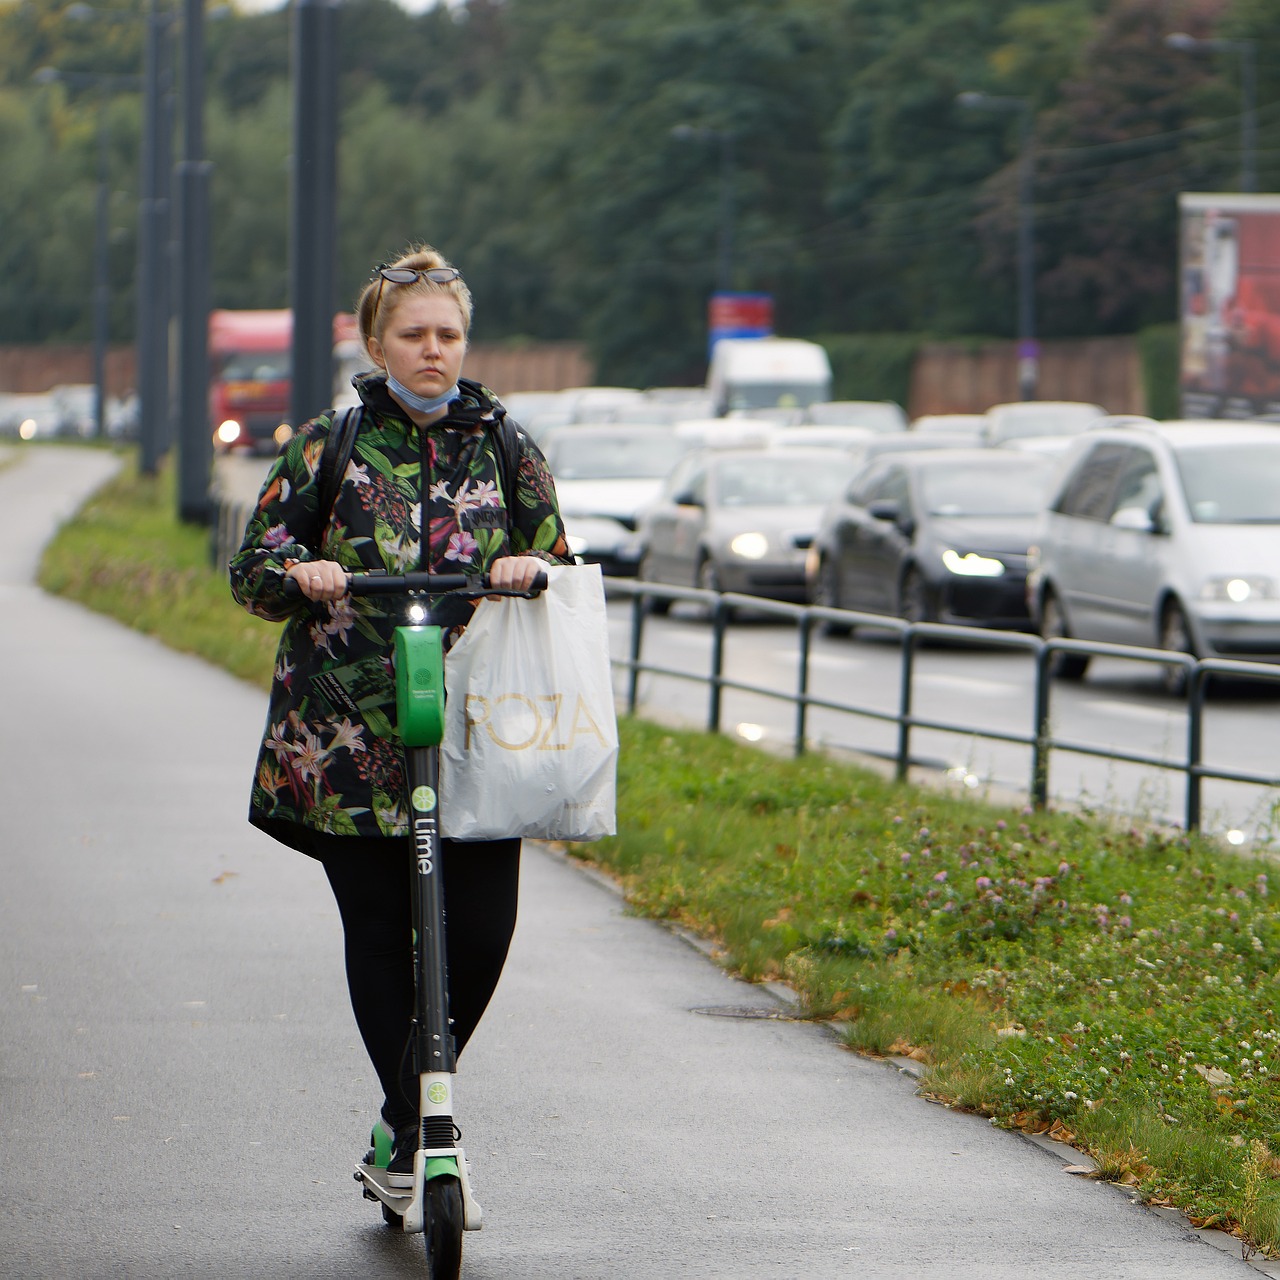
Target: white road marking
1153,715
969,684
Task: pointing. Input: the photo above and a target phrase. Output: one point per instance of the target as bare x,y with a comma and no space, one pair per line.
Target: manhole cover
745,1011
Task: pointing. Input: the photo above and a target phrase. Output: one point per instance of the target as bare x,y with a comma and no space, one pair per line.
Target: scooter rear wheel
442,1227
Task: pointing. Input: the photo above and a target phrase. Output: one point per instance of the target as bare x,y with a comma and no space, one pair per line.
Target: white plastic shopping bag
531,739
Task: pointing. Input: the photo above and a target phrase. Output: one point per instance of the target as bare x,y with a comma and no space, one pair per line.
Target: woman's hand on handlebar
319,579
515,573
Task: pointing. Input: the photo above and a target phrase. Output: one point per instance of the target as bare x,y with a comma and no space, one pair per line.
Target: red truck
249,382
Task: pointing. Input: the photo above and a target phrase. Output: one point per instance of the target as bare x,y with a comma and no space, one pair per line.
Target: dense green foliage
871,366
533,141
1158,348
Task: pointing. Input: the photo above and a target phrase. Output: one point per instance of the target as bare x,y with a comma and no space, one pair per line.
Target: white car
1040,418
605,477
878,415
1165,535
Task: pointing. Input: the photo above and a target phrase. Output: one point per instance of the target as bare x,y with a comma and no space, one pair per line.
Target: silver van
1163,535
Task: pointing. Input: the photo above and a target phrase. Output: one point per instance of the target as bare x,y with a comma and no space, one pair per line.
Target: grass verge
1114,988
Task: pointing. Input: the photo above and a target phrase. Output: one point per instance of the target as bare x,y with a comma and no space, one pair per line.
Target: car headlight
971,565
1238,590
750,546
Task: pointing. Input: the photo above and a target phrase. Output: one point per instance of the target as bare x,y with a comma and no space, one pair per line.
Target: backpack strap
338,445
507,441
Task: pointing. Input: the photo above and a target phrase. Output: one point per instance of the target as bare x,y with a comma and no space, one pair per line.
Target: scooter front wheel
442,1227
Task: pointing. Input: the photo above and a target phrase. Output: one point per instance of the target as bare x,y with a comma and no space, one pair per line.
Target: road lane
1118,707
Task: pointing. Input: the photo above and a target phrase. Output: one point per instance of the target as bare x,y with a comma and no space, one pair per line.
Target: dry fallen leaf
1214,1075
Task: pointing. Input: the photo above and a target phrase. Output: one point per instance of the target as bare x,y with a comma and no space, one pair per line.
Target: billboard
1229,286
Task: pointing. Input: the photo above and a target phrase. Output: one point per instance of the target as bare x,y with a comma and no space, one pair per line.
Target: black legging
370,880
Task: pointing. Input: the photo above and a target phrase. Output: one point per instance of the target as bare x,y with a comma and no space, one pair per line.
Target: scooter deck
377,1180
402,1200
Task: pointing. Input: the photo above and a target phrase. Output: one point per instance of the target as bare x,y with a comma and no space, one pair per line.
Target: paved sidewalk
182,1092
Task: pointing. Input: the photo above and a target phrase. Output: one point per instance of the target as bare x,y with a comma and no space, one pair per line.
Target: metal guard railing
1040,739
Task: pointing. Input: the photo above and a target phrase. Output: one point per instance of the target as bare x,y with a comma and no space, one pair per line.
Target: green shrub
1159,348
872,366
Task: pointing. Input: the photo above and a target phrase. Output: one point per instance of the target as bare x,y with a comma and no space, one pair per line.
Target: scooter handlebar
431,584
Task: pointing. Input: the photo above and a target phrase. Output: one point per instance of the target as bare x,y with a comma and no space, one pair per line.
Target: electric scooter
439,1204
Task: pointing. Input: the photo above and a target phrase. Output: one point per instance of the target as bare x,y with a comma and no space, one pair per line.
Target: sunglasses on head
408,275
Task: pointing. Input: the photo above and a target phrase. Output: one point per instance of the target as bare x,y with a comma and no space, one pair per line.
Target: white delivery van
767,373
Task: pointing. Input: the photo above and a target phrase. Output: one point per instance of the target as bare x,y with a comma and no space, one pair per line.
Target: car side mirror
687,498
1133,518
887,509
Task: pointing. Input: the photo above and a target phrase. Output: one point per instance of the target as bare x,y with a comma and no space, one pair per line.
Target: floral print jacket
330,760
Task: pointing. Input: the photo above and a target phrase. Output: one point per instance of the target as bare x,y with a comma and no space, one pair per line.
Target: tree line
570,157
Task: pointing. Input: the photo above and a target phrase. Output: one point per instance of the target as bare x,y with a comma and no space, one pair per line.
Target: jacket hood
474,405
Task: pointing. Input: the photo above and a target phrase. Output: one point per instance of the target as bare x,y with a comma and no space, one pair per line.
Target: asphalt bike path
183,1092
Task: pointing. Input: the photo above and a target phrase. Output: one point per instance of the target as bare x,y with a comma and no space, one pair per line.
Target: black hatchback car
935,536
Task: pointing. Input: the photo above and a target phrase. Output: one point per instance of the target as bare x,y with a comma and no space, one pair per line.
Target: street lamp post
104,82
313,217
1028,346
194,174
1247,50
724,236
154,296
164,262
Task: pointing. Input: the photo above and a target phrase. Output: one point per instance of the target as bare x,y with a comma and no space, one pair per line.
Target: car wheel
709,580
655,605
1175,635
915,600
1053,626
826,592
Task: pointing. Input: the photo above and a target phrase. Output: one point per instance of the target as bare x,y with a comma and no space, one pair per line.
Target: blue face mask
419,404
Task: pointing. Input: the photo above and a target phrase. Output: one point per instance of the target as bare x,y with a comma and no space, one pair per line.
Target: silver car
605,477
1164,535
741,519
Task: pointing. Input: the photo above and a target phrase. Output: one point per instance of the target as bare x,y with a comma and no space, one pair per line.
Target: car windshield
642,455
770,395
1043,420
257,366
773,480
974,489
1232,483
875,416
